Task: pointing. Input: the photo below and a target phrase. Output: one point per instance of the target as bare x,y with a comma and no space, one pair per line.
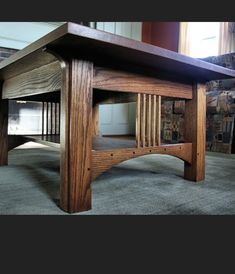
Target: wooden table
74,69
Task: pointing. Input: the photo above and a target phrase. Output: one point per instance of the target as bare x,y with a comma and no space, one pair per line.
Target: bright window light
204,39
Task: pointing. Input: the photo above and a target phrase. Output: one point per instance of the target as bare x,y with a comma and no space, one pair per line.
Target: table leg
3,132
76,136
195,132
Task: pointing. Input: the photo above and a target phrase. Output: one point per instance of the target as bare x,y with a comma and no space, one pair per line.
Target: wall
131,30
161,34
17,35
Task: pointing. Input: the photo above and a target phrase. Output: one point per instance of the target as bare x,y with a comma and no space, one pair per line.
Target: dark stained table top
108,48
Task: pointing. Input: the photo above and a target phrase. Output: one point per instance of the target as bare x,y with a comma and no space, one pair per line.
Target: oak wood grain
195,132
44,79
104,160
75,40
143,120
108,79
76,136
138,120
159,100
149,121
32,56
154,121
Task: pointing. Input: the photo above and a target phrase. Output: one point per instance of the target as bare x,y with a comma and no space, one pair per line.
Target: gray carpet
150,184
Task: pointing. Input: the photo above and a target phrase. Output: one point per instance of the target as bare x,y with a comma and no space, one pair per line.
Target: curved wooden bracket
104,160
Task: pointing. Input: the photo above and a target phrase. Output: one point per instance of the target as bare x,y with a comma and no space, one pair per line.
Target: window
203,39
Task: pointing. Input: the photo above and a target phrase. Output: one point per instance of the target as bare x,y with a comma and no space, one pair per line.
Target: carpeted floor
150,184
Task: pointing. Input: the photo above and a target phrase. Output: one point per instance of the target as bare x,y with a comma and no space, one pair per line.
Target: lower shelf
110,151
48,140
99,143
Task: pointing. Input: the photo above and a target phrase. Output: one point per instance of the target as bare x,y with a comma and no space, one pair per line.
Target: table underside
78,86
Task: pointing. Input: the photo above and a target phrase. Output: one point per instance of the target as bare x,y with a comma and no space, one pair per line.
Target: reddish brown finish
154,124
148,123
104,160
73,40
43,117
76,136
138,120
143,120
149,120
122,81
195,133
47,77
78,50
159,120
161,34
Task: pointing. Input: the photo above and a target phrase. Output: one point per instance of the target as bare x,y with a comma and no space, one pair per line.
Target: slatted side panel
50,118
148,120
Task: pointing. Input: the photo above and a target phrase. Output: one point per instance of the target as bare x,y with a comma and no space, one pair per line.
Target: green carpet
150,184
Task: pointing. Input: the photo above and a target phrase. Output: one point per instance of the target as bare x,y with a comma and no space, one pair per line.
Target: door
119,119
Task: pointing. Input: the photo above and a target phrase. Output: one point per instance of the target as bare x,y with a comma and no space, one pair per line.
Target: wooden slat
55,119
47,118
51,120
59,118
44,79
143,120
138,119
149,121
43,122
154,121
159,120
108,79
104,160
195,132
